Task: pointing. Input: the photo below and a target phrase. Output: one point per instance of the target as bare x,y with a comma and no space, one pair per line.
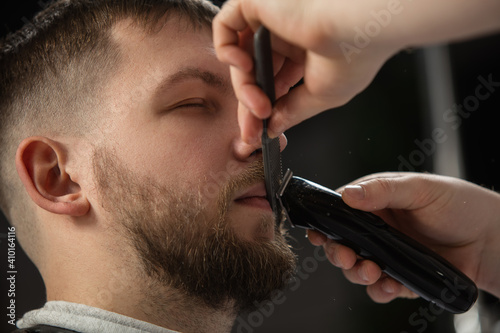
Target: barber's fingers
232,27
396,191
250,97
296,106
283,18
250,126
328,84
387,289
356,269
316,238
339,255
364,272
380,287
254,105
227,26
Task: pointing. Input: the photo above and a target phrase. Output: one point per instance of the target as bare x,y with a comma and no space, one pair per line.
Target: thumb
395,191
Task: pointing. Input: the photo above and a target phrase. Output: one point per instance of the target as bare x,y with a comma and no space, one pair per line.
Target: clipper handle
313,206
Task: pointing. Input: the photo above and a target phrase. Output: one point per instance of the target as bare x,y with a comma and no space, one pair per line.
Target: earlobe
40,163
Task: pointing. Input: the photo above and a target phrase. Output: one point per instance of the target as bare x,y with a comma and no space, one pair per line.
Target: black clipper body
312,206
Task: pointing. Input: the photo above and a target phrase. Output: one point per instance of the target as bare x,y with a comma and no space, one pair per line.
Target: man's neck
123,287
173,310
142,300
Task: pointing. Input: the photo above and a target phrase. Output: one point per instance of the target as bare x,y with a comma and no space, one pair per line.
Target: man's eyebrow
190,73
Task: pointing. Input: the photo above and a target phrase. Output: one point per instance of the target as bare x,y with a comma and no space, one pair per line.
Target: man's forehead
128,31
152,63
173,46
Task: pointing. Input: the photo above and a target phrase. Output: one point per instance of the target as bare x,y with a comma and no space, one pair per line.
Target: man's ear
40,163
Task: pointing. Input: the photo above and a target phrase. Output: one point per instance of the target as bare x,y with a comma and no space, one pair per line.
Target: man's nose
245,151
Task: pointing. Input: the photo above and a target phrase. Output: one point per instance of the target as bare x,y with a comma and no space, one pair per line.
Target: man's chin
252,226
265,236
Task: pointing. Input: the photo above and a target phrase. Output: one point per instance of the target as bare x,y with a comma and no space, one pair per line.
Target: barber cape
62,317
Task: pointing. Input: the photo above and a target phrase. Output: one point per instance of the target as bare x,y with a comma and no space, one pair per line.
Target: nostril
242,151
256,152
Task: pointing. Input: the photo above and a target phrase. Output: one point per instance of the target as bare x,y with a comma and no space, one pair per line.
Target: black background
365,136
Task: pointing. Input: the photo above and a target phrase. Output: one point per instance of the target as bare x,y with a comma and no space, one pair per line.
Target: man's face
175,178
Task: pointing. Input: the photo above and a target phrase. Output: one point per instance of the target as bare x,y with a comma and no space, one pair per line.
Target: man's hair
52,70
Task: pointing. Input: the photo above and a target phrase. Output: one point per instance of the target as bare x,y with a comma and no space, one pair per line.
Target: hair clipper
312,206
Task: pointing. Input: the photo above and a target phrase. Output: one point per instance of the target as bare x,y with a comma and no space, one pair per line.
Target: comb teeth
271,152
272,171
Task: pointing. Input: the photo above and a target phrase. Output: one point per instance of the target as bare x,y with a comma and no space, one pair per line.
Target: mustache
253,174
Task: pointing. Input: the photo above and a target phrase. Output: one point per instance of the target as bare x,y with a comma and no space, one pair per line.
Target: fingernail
362,274
272,134
279,129
355,191
330,252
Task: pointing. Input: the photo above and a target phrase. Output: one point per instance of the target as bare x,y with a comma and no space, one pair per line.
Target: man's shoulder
43,329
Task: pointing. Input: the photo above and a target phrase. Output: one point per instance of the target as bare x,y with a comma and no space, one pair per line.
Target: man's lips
254,196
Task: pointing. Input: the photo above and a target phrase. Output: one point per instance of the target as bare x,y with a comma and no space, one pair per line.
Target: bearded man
124,173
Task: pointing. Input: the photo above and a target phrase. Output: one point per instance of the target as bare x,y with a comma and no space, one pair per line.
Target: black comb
270,147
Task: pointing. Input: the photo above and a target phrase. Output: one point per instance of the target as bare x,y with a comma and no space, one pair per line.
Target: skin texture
164,176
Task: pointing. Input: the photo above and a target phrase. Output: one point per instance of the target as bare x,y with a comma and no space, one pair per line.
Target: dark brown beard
182,247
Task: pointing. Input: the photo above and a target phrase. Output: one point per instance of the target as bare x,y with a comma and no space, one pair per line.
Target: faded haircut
53,69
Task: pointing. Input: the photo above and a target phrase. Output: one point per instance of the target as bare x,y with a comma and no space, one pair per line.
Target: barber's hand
457,219
306,41
336,46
